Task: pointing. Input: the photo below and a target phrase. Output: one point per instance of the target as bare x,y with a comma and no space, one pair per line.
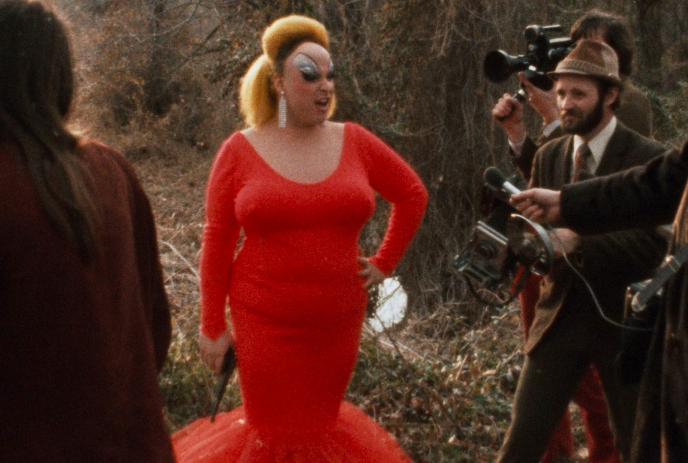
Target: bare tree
650,22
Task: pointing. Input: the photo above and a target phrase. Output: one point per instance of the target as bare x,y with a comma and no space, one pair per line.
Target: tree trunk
158,96
650,45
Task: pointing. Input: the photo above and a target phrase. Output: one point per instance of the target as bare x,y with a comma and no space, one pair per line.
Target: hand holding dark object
538,204
542,101
212,351
510,114
228,365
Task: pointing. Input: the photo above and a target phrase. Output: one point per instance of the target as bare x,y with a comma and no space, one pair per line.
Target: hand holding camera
509,113
542,56
542,101
564,241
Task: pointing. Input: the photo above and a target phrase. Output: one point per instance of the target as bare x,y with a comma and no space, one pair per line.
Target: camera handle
520,95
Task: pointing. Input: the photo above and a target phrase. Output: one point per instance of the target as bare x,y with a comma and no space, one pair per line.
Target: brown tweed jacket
609,262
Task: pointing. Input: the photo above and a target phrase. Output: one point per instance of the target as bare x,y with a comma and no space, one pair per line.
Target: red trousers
589,397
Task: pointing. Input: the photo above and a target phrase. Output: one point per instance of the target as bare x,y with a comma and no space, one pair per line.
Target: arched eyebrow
309,68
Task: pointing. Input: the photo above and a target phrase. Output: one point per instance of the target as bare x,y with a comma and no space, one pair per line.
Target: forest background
158,80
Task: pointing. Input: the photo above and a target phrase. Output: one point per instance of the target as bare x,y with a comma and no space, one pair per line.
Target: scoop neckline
262,160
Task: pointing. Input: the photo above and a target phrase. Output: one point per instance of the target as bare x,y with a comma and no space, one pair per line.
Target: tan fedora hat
591,59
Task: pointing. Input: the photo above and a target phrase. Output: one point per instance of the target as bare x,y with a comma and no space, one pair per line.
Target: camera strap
670,266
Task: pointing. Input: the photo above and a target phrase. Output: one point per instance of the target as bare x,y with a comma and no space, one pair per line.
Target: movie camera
542,56
505,248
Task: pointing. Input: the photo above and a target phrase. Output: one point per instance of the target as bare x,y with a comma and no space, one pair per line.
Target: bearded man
580,306
635,112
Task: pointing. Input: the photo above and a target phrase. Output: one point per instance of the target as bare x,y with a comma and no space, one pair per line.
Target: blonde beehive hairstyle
257,98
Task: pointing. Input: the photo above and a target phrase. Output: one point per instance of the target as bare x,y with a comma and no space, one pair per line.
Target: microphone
496,179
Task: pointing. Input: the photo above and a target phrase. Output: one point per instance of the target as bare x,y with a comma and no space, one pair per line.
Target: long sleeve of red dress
395,181
220,236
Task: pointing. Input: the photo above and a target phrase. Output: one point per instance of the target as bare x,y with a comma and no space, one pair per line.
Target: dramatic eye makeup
309,69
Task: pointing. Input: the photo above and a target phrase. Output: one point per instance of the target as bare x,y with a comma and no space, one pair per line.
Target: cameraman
569,332
643,196
634,111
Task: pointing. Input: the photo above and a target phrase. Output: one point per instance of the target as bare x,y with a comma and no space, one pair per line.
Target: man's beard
587,123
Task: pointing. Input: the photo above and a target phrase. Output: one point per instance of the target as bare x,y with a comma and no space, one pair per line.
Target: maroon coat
81,343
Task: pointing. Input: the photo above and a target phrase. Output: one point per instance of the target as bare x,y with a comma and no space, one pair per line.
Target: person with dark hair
610,29
569,331
634,110
644,196
84,318
301,187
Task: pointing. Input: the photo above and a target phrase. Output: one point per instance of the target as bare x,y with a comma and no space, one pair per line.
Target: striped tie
580,162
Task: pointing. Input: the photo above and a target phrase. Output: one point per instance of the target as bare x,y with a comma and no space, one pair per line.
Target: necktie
580,162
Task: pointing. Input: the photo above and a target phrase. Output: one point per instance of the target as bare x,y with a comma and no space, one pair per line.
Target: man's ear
611,96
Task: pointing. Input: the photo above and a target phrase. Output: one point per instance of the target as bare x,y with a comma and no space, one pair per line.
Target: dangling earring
282,112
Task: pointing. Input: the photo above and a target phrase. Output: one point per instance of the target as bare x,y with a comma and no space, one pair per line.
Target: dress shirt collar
597,145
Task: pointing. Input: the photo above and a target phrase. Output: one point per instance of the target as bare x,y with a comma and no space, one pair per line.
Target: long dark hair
36,90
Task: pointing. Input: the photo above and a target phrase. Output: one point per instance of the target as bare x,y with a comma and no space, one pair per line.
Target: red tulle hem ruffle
353,438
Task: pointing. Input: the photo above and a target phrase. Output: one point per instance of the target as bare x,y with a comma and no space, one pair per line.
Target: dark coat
645,196
634,111
81,343
609,262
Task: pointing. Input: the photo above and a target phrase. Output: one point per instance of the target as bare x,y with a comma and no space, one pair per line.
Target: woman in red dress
301,188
